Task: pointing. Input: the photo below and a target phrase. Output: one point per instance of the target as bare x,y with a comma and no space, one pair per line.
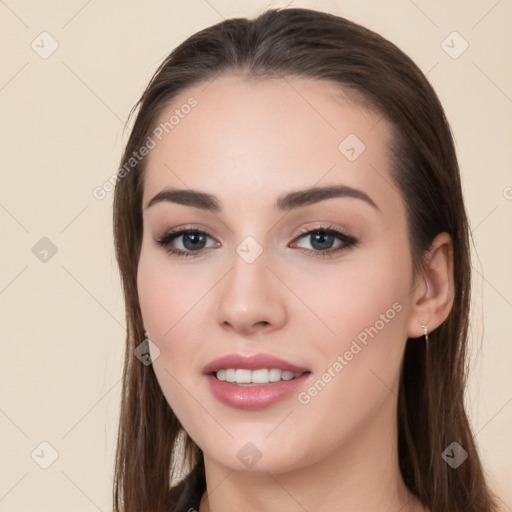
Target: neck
363,474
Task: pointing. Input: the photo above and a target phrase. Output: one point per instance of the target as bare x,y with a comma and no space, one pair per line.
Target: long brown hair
152,447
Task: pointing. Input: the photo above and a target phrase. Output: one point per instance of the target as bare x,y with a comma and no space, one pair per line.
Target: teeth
274,375
243,376
260,376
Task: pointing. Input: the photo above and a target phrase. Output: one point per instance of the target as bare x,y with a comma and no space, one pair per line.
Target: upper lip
251,362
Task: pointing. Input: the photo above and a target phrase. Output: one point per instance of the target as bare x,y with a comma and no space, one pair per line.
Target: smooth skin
248,143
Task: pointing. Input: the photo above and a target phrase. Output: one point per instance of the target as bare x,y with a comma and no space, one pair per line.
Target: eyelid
327,226
180,230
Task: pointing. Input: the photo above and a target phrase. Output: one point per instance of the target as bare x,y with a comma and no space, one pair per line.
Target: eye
191,241
326,240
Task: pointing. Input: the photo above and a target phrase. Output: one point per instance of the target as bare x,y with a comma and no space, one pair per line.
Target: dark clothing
192,489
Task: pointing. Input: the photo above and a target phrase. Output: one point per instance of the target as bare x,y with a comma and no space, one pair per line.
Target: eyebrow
286,202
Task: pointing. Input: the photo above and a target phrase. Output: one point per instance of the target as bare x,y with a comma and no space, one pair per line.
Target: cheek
362,292
172,299
365,304
167,300
165,293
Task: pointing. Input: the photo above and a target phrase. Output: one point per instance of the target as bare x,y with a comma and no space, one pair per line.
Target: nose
251,299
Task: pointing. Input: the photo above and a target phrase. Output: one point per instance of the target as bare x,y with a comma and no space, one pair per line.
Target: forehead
247,138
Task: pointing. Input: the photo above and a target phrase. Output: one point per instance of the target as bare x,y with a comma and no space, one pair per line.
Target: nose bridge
248,297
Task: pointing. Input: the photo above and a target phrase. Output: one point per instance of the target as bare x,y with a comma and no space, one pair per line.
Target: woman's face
255,295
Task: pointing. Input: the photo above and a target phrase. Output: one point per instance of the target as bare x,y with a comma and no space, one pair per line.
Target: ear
433,292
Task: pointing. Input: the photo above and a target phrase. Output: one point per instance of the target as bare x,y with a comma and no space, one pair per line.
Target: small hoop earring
425,332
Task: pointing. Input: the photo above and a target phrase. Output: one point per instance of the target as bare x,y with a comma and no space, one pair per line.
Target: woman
293,247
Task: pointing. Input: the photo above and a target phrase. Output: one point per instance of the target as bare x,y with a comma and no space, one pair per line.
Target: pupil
322,241
195,239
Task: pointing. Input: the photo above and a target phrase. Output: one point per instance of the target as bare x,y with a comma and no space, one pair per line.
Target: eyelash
347,241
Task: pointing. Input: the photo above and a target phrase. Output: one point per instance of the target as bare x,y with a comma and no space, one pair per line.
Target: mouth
253,382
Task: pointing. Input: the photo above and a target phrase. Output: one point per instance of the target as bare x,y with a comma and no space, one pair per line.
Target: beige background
62,135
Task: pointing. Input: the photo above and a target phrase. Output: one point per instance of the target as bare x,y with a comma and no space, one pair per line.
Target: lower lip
254,397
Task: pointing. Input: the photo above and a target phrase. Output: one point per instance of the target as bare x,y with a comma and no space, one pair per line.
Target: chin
260,456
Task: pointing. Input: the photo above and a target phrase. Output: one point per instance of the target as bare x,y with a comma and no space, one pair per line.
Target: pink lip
253,397
253,362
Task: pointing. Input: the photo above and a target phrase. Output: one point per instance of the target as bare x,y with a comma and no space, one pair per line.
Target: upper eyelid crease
287,202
